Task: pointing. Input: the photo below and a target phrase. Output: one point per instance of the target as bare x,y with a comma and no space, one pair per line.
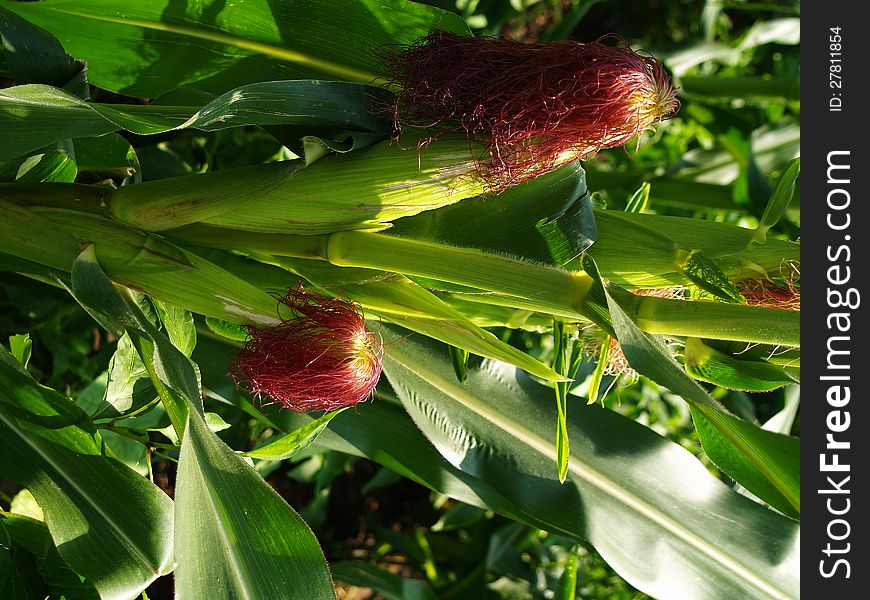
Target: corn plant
363,267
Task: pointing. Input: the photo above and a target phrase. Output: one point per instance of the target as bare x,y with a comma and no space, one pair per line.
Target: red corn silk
537,106
321,358
761,292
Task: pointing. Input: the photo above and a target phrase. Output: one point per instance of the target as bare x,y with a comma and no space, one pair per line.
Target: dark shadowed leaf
33,116
111,525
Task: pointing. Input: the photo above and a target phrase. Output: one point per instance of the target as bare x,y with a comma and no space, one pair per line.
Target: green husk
364,189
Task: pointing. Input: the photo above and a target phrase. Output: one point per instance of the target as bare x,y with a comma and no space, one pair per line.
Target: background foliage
437,488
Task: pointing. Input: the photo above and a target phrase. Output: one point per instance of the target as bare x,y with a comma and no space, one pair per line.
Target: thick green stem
279,244
515,283
31,237
713,320
536,287
550,288
73,196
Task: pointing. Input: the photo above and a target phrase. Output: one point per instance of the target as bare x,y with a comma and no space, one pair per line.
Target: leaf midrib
52,468
284,54
593,477
233,559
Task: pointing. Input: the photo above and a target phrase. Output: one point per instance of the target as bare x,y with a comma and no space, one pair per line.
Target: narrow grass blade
561,351
459,358
567,589
779,200
639,201
600,368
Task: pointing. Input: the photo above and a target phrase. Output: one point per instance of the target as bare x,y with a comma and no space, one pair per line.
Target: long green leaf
148,48
174,376
767,464
33,116
732,371
27,235
383,432
628,490
135,259
240,539
111,525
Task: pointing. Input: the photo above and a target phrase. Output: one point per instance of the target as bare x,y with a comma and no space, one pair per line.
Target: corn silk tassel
761,292
536,106
321,357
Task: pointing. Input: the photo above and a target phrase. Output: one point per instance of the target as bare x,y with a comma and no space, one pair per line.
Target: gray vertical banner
834,445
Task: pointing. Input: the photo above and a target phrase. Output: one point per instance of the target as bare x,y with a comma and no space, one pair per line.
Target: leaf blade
238,534
144,49
498,428
111,525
